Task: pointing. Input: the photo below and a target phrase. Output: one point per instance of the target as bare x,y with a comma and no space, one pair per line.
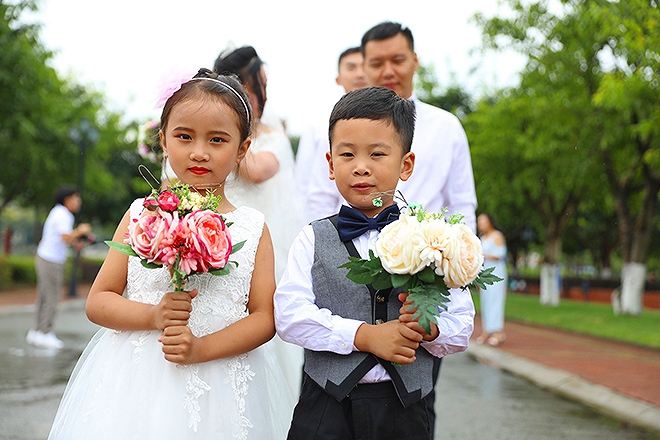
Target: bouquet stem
178,276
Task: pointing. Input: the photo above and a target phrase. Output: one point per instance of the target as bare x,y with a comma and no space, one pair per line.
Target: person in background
492,298
57,236
311,165
265,180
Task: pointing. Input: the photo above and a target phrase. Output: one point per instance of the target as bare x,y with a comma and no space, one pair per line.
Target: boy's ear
243,149
331,165
407,166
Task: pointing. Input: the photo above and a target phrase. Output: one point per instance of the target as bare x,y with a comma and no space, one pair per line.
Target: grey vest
336,373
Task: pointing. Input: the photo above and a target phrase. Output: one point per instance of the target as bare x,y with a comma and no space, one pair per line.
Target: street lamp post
84,136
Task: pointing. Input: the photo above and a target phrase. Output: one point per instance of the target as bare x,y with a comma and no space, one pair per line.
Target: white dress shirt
300,321
442,177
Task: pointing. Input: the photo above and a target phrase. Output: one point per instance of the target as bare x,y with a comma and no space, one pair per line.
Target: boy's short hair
377,104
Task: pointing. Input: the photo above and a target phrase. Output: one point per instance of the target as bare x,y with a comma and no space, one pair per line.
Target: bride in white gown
266,181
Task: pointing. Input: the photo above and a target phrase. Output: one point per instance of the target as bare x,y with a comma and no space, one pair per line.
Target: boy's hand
173,309
392,341
179,345
406,317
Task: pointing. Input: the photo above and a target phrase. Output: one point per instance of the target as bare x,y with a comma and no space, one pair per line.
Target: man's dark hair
62,192
385,30
347,52
377,104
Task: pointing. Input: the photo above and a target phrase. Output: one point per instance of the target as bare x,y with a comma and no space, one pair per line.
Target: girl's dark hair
220,87
377,104
490,219
62,192
246,64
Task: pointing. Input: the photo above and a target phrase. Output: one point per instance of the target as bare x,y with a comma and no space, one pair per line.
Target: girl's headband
231,89
173,84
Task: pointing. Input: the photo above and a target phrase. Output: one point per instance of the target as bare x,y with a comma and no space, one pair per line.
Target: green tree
38,113
453,98
33,139
599,60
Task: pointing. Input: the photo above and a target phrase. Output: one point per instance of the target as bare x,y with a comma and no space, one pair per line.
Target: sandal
496,339
483,338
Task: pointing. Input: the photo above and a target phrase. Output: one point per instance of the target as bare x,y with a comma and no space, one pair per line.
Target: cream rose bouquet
178,228
424,254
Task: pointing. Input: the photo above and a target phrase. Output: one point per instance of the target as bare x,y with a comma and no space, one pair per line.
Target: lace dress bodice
222,300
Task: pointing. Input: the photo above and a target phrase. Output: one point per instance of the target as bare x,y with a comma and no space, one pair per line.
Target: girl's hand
173,309
180,345
406,317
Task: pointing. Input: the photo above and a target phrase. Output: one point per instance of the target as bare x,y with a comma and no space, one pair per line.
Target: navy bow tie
352,223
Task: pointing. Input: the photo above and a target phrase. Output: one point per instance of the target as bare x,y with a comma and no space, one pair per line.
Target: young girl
185,365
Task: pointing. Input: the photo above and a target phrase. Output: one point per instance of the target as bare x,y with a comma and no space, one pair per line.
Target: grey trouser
50,277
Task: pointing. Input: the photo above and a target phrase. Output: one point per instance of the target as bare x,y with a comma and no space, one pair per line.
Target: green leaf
399,280
122,247
225,270
485,278
427,275
238,246
427,299
360,277
382,282
149,265
219,272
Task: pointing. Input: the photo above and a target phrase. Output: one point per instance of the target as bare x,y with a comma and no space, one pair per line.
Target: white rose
436,234
399,246
462,257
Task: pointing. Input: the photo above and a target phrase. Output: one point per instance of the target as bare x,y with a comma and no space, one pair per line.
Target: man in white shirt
52,252
443,177
310,158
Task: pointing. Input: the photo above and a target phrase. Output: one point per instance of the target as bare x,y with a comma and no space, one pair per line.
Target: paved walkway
619,380
616,379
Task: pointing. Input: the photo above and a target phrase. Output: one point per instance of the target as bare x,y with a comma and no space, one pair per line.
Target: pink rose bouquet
179,229
424,254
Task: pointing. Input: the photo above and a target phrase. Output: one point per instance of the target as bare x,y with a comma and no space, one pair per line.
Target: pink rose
148,231
150,204
209,242
168,201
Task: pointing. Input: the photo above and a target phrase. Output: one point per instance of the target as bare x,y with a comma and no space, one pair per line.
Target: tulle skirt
123,388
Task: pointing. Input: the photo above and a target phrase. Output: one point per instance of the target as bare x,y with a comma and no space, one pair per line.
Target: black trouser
370,411
430,398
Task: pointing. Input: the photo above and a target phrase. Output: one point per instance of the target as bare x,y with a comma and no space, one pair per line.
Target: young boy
368,365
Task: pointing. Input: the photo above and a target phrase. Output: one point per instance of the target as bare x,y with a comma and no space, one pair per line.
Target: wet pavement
476,400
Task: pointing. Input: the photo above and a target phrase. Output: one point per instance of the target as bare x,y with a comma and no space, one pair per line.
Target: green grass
596,319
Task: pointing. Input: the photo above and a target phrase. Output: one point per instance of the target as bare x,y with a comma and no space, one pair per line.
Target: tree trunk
549,284
633,281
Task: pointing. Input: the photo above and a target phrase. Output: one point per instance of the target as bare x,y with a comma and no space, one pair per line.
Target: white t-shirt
52,247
